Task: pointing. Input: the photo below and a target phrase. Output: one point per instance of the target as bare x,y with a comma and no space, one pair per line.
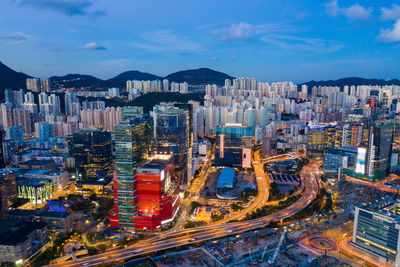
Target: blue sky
269,40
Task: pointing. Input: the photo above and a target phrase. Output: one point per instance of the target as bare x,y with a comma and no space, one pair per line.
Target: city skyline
269,41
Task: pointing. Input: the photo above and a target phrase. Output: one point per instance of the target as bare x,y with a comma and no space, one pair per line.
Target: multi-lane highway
193,235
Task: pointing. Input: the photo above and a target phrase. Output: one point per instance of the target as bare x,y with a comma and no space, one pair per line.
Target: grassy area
105,206
191,224
54,251
267,210
95,237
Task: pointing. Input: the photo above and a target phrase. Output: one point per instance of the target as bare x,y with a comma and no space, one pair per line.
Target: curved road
188,236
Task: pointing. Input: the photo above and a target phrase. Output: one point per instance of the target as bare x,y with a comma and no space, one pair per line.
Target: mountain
200,76
352,81
120,80
9,78
76,80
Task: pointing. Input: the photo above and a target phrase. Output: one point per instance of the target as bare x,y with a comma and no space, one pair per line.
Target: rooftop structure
226,178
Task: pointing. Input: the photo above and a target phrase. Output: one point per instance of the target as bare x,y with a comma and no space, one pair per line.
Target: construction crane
273,257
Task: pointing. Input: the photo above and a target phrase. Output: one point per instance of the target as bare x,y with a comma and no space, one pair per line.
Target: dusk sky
269,40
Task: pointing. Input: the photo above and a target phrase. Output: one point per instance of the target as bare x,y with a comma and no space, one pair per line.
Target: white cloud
332,8
244,31
241,31
213,58
357,11
392,13
169,41
301,44
391,35
93,46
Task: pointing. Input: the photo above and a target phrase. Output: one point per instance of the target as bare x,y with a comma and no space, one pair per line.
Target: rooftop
157,162
18,231
225,179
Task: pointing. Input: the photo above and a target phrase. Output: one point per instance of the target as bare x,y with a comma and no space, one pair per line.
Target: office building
157,193
60,222
133,142
233,148
8,191
319,139
171,136
376,230
93,155
335,159
19,240
379,150
131,112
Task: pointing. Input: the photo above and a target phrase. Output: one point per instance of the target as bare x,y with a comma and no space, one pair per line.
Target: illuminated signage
360,165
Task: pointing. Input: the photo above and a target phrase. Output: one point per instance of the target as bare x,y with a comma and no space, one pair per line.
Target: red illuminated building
157,193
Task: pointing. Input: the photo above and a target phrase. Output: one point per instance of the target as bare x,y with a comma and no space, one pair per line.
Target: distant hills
9,78
12,79
352,81
195,77
199,76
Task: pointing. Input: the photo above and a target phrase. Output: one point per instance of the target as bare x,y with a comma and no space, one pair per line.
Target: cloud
14,38
66,7
93,46
391,35
213,58
241,31
390,13
169,41
234,58
301,44
357,11
244,31
332,8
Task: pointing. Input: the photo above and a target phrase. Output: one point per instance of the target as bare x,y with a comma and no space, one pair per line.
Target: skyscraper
93,155
132,143
171,137
379,149
319,139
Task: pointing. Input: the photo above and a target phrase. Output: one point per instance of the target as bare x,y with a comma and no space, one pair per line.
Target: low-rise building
376,230
61,222
20,240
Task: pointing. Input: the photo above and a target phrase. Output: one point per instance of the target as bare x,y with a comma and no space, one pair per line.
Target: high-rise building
133,140
33,84
14,133
45,85
376,230
2,158
72,104
6,115
157,193
44,131
233,148
93,155
171,136
319,139
379,149
131,112
8,191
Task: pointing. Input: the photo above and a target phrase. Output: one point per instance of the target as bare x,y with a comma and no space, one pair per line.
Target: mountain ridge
356,81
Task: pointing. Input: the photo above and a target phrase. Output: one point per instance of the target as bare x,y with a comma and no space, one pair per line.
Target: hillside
120,80
75,80
9,78
352,81
200,76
